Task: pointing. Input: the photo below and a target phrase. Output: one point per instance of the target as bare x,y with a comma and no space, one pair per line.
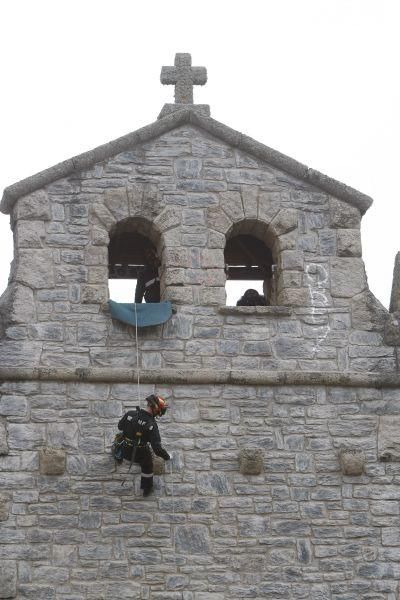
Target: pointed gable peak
183,76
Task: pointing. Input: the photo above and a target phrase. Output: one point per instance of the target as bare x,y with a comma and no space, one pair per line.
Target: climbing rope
138,390
137,354
173,511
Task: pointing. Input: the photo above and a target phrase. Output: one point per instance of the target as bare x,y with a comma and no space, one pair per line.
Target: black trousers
143,457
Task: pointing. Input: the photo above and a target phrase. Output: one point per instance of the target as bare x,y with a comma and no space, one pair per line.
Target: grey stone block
4,506
26,436
213,484
193,539
212,259
348,242
170,217
257,348
251,461
212,296
389,438
367,313
52,461
67,239
94,294
218,220
188,168
392,329
343,215
35,268
3,438
71,274
116,200
30,234
63,435
52,332
231,204
35,206
194,239
294,348
327,243
179,295
96,256
8,579
284,221
347,277
91,333
292,260
13,406
176,257
295,297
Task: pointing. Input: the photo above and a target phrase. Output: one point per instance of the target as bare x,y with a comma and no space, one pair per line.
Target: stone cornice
201,376
167,123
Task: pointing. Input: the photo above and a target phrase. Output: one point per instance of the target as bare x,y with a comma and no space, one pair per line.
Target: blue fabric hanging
147,314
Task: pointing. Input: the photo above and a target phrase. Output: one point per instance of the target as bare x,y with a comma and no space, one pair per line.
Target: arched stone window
133,250
249,262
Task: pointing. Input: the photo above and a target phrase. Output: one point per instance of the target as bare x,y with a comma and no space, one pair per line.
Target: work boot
147,491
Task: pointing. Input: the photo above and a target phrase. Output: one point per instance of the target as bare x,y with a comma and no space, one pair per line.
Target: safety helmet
157,405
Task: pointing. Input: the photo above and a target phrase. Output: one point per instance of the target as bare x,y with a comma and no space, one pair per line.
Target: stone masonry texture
293,387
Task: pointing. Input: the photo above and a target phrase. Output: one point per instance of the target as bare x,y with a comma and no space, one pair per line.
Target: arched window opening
133,264
248,266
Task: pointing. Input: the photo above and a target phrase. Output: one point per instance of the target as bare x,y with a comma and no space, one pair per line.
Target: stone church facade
283,421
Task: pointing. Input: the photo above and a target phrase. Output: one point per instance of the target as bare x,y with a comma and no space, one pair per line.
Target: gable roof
167,123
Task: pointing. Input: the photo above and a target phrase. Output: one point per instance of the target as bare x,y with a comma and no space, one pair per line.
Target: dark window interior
127,253
248,259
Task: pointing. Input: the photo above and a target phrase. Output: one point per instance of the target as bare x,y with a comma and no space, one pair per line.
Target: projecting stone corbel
52,461
251,461
351,461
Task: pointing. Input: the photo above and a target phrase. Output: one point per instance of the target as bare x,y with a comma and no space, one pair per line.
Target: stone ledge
201,376
272,311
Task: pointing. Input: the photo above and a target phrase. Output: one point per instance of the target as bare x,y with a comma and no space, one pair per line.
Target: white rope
137,355
173,511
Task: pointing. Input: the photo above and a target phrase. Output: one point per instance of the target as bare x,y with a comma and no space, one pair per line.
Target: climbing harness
133,441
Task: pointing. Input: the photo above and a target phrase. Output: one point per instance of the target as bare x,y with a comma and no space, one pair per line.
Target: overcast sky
317,80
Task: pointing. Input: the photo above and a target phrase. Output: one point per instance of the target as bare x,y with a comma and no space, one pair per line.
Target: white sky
315,79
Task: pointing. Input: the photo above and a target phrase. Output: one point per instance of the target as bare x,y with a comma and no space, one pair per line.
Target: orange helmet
157,404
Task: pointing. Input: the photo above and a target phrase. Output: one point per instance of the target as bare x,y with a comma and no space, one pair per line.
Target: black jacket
251,298
147,285
139,418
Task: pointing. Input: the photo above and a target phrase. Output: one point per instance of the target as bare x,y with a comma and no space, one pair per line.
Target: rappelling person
148,281
139,430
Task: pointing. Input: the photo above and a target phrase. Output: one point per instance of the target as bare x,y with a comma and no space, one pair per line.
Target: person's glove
165,455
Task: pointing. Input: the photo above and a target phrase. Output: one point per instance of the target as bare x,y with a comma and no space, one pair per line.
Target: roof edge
230,136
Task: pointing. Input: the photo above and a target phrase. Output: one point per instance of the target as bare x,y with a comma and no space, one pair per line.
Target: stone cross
183,76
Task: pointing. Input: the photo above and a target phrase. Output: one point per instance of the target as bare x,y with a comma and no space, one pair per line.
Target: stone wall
283,420
188,191
299,529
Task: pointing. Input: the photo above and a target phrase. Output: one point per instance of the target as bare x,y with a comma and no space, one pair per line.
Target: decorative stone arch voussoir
142,226
218,220
257,228
101,218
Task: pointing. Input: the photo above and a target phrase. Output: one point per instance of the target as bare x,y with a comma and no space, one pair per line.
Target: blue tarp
147,314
